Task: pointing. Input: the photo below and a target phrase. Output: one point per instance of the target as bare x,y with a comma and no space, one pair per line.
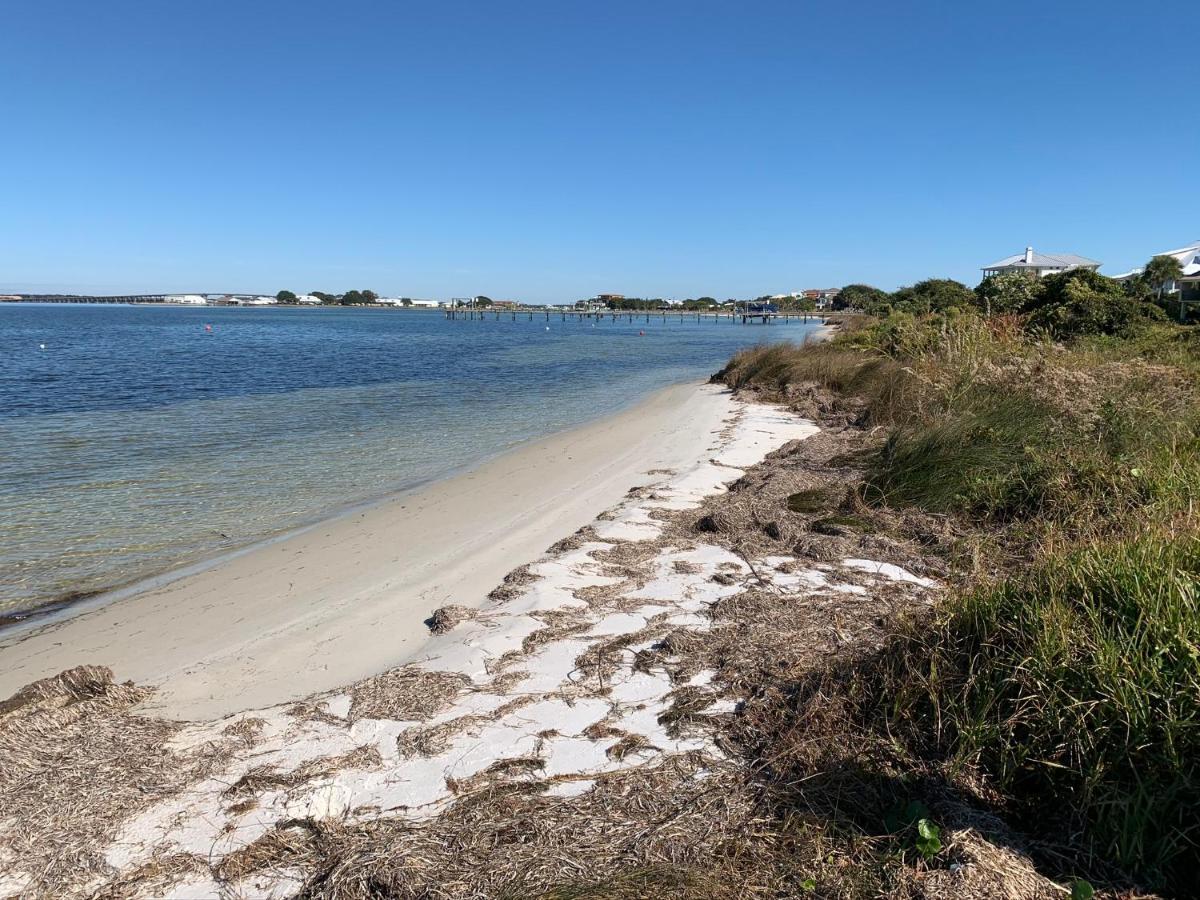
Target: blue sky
549,151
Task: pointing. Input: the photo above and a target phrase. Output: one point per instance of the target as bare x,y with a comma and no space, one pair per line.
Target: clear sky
549,151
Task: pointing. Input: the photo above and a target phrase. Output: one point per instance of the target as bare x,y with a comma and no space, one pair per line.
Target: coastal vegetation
349,298
1052,429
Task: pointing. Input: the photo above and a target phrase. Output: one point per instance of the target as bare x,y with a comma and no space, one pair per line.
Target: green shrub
1082,302
933,295
1008,292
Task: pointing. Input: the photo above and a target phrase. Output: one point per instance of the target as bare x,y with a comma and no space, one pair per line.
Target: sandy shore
347,598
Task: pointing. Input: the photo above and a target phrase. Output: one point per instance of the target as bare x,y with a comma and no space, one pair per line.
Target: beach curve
347,598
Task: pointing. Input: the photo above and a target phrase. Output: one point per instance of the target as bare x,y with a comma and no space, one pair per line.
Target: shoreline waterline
19,621
246,629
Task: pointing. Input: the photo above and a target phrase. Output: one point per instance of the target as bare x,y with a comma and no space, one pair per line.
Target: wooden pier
468,313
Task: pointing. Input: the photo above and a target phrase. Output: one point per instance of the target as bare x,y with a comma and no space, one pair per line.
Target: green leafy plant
929,839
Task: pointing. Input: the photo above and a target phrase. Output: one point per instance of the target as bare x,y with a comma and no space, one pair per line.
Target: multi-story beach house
1040,264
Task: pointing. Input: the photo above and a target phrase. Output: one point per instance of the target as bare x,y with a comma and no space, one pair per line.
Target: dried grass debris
406,693
444,618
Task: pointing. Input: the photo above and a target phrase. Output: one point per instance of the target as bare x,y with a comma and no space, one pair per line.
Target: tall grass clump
778,371
1076,688
994,456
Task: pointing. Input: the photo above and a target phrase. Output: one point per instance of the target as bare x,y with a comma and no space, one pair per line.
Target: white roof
1189,258
1043,261
1189,261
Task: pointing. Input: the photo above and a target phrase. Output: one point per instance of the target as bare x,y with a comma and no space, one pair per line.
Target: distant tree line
349,298
1078,301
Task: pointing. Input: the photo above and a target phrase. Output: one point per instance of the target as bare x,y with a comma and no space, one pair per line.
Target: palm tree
1160,272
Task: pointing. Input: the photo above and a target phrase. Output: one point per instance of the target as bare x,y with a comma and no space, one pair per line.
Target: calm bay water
137,440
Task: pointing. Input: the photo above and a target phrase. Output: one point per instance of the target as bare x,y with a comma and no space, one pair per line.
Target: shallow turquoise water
137,440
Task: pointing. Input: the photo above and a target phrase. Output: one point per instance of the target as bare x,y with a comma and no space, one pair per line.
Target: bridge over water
114,298
81,298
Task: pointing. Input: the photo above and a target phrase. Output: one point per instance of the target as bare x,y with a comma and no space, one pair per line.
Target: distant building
1040,264
308,298
259,301
1189,261
187,299
427,304
606,298
505,304
821,297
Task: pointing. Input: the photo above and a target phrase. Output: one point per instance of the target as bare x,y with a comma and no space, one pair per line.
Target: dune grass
1070,681
1076,688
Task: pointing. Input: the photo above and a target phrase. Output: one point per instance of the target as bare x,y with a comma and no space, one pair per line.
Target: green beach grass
1060,677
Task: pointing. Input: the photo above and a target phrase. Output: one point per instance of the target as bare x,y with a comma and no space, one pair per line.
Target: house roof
1189,261
1042,261
1189,258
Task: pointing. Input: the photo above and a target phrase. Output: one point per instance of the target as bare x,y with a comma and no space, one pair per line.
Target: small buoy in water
41,346
547,327
208,328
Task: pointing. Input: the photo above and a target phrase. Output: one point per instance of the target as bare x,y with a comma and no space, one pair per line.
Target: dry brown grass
509,841
264,778
406,693
76,765
444,618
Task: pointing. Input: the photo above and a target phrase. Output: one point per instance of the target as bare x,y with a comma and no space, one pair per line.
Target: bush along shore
1051,458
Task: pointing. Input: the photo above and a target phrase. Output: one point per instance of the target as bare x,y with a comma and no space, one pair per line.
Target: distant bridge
124,298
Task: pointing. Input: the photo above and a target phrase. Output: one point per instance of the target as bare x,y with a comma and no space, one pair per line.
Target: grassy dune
1061,678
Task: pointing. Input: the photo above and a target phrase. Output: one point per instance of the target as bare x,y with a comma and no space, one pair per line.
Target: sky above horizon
550,151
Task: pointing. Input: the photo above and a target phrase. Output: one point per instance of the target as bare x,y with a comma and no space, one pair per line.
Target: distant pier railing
469,313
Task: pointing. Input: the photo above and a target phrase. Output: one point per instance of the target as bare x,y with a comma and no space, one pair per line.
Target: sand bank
347,598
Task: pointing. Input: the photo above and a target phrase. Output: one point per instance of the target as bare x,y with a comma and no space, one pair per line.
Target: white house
259,301
427,304
1189,261
188,299
1040,264
309,298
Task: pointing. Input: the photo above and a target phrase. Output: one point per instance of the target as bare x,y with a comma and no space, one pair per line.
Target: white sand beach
347,598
